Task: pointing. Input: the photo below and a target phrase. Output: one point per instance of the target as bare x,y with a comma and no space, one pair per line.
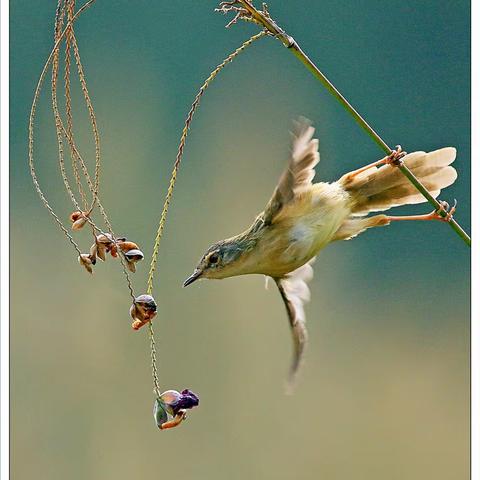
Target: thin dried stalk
245,10
61,158
181,148
93,121
171,186
78,158
53,60
31,124
68,105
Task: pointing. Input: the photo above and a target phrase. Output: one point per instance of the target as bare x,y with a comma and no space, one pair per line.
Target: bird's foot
449,211
435,215
395,157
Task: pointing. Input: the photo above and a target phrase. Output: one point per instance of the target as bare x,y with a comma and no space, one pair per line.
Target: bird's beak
194,276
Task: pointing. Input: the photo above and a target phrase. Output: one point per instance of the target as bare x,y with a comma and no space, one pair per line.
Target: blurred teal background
385,390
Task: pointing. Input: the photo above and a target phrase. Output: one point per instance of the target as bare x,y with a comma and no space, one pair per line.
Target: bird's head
221,260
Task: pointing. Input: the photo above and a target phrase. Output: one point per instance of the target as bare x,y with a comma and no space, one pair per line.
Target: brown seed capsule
78,219
114,249
132,257
103,244
74,216
86,260
125,245
93,253
143,310
99,250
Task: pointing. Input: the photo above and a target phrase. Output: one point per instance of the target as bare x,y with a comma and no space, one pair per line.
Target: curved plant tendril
32,122
171,186
143,307
66,7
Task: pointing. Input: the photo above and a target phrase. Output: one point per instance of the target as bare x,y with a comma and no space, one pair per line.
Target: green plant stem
266,22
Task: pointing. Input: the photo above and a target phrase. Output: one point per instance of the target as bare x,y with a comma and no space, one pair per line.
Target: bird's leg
393,159
435,215
176,420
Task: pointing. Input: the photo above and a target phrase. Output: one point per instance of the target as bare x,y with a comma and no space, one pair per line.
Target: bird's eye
213,259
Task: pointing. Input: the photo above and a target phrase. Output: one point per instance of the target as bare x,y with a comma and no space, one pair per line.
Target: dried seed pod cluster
78,219
131,253
104,244
143,310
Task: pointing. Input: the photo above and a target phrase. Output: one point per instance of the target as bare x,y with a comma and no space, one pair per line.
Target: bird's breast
303,229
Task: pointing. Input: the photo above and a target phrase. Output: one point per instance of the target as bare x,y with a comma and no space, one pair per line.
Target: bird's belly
301,235
306,238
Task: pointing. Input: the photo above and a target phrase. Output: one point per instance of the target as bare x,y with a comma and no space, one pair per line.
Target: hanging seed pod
125,245
103,245
131,251
114,249
176,401
86,261
173,404
78,219
132,257
93,253
143,310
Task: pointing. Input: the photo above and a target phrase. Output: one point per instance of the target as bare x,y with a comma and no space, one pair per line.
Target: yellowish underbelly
302,229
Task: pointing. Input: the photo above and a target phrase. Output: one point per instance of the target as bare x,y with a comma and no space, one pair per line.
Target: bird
303,217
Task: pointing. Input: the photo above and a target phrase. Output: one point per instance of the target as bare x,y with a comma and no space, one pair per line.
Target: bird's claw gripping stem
449,211
394,160
395,157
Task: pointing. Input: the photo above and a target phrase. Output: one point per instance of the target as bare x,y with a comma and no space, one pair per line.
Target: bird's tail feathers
379,189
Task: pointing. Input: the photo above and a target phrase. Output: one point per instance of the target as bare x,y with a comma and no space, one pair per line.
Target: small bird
302,218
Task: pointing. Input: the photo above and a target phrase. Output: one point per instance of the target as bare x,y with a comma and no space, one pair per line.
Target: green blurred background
385,390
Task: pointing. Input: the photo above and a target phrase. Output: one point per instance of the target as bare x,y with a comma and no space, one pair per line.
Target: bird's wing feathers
300,170
295,293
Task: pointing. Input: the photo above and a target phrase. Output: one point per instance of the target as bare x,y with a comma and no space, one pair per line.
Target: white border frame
4,233
5,242
475,182
4,219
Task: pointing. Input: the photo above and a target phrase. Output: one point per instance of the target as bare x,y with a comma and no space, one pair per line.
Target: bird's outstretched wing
300,171
295,293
